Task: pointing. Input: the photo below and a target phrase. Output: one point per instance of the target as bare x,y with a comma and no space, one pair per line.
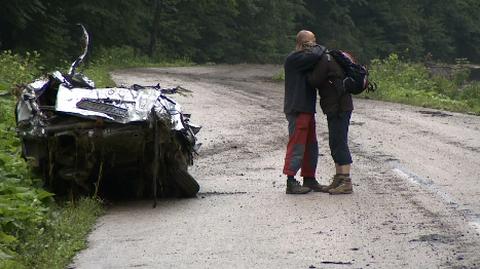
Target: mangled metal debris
80,138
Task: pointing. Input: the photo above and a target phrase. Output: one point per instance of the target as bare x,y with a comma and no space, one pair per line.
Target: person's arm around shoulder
305,59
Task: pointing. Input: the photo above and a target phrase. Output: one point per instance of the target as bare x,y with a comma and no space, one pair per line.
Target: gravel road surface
416,175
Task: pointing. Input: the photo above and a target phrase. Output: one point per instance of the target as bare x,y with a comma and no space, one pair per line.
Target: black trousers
338,123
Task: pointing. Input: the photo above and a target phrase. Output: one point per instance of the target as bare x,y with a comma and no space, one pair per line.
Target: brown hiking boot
313,184
294,187
345,187
336,181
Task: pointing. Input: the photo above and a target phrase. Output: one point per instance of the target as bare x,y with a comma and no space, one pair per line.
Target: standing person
299,108
337,104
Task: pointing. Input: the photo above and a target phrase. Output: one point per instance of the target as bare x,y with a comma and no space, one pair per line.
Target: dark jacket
327,77
300,96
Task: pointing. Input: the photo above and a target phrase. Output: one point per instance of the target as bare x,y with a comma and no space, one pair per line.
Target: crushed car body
123,140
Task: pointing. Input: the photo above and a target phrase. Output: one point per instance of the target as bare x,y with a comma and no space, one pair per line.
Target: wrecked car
134,141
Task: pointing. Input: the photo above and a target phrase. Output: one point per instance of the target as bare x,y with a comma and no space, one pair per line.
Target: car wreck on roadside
85,140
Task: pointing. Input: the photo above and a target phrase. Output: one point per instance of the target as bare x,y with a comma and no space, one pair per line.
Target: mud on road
415,202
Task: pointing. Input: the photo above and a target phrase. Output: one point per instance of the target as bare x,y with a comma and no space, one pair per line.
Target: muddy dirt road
416,201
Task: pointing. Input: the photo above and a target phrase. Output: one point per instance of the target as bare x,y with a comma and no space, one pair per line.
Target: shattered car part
80,138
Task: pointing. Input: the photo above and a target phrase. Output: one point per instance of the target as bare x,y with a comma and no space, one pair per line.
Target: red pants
302,148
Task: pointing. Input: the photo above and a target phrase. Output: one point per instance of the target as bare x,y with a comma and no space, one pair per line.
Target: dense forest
244,31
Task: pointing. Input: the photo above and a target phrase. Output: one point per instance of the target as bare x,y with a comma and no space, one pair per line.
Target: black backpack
356,75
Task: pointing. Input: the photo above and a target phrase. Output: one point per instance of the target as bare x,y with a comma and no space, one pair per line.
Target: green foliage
34,231
19,13
280,76
22,206
105,60
63,235
410,83
235,31
120,57
100,75
16,69
412,29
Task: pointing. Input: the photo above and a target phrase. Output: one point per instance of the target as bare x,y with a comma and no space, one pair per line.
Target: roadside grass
107,60
65,234
280,76
37,231
411,83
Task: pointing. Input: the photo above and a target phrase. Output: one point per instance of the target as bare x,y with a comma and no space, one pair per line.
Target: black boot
313,184
294,187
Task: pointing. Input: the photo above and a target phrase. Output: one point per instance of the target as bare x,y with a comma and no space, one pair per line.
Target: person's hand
309,45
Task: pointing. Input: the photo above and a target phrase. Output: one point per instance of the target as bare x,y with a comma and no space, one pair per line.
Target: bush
412,83
23,205
125,56
16,69
32,225
119,57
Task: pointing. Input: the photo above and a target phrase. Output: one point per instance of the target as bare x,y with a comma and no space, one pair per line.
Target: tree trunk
154,29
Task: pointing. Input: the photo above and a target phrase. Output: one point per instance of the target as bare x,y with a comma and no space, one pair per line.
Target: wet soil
416,200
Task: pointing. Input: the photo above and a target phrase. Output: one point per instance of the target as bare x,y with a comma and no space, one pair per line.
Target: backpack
356,75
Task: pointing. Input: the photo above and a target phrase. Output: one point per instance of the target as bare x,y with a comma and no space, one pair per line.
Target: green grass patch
411,83
100,74
63,235
280,76
16,69
107,60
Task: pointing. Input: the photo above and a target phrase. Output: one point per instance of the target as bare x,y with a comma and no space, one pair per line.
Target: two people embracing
308,70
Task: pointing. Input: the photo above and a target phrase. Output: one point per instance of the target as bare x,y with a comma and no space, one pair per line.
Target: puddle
338,263
433,238
434,113
359,123
215,193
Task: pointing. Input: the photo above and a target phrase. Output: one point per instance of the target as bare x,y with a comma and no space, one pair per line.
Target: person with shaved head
299,108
